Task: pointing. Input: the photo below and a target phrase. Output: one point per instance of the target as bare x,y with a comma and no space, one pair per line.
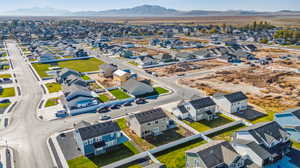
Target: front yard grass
85,77
41,69
175,157
204,125
226,134
119,94
103,98
4,105
122,151
160,90
5,75
8,92
52,102
133,63
53,87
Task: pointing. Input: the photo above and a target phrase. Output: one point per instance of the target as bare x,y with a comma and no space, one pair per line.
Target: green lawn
53,87
85,77
8,92
226,134
204,125
87,65
5,75
122,151
52,102
133,63
296,145
119,94
122,123
103,98
160,90
175,157
4,105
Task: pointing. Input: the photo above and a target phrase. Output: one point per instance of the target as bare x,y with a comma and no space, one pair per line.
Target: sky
96,5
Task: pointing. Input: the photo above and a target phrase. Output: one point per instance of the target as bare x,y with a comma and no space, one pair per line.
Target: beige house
151,122
121,76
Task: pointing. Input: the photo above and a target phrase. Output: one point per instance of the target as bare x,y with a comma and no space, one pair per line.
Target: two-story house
263,143
215,154
196,110
95,139
63,74
150,122
231,103
290,121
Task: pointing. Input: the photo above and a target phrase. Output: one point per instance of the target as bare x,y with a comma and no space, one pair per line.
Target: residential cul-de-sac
149,86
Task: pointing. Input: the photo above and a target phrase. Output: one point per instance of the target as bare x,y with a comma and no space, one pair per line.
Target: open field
234,20
86,65
189,67
141,50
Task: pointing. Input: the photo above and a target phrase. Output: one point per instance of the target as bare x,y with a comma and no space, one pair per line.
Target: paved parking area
68,145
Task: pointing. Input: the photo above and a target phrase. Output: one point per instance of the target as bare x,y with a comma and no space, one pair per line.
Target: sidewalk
7,157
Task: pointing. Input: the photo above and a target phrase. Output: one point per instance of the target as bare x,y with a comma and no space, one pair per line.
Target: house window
156,122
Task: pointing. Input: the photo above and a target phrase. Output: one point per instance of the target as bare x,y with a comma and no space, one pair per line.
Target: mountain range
144,10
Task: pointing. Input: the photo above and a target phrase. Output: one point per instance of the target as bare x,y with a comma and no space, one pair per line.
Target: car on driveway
104,117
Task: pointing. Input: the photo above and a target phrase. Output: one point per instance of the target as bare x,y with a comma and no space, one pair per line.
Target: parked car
141,101
102,110
104,117
115,107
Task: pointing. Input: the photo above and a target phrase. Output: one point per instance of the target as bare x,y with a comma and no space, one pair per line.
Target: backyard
226,134
120,152
205,125
8,92
175,157
53,87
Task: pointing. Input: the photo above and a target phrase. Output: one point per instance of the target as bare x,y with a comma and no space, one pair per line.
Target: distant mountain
37,11
144,10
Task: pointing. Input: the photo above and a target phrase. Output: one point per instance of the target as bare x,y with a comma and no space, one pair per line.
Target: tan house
151,122
121,76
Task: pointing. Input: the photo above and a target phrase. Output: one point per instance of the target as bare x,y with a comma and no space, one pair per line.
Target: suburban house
95,139
121,76
231,103
150,122
107,70
215,154
264,143
289,120
64,73
146,60
196,110
137,88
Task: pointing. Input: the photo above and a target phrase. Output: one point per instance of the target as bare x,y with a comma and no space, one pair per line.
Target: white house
196,110
231,103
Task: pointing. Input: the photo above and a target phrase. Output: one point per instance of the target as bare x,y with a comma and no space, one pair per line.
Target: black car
5,101
103,110
141,101
115,107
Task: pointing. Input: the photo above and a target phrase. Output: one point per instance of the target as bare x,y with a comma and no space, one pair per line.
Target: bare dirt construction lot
140,50
105,82
273,53
187,67
273,91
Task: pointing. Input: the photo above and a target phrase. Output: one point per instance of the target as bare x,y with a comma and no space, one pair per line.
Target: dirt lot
274,53
141,50
105,82
182,68
270,90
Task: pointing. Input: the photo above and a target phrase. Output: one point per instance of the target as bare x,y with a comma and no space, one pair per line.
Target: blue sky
79,5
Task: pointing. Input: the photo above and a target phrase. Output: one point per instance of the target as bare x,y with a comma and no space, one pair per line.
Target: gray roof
215,153
202,103
150,115
91,131
296,113
268,132
132,84
237,96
